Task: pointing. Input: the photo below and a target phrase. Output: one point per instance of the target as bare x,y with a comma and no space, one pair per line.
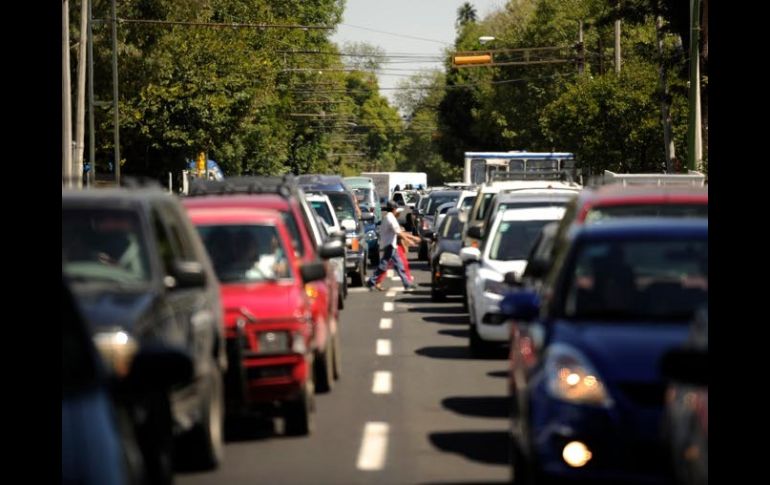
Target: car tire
337,357
478,347
357,278
435,293
422,253
205,441
298,414
324,368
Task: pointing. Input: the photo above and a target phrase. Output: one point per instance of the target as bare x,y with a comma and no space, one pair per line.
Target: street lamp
485,38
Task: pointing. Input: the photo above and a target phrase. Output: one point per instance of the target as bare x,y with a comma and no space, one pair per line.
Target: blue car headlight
571,377
371,236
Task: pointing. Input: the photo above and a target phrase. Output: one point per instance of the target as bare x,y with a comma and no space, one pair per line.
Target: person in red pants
405,240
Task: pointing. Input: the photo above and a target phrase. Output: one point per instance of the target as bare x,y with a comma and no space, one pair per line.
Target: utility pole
80,116
66,99
91,134
581,50
668,140
617,40
694,155
115,92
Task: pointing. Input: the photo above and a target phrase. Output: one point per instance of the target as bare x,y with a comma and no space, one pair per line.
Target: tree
466,14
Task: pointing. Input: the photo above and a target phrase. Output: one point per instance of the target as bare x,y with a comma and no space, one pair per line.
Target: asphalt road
412,406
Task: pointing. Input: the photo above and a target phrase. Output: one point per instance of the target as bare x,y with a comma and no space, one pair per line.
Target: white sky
428,19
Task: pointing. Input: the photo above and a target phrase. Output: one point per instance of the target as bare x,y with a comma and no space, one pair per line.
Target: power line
395,34
218,24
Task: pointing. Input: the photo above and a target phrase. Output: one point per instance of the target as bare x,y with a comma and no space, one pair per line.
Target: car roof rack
139,182
562,175
693,178
285,186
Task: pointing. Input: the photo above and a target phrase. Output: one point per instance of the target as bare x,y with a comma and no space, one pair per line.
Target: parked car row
594,291
242,281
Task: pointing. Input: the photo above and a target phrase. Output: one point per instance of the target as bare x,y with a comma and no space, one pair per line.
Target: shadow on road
499,373
448,320
454,333
249,428
455,352
484,446
479,406
434,309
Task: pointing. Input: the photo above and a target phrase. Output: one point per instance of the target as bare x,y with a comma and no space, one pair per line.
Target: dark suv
142,276
351,219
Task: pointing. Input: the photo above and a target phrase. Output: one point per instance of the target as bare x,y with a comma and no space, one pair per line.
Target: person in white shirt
389,232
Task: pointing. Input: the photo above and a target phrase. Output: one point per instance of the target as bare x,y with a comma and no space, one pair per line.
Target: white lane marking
389,273
391,293
387,306
382,382
386,323
358,290
374,445
395,278
383,346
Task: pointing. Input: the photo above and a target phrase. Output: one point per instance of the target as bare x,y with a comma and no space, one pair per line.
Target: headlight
496,287
117,349
298,343
371,236
449,259
273,342
570,377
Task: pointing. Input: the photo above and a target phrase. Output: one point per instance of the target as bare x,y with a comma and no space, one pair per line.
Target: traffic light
471,59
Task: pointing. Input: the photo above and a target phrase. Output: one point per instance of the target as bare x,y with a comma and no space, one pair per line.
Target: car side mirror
348,224
332,249
475,232
429,235
512,278
188,274
312,271
521,305
688,366
470,255
537,268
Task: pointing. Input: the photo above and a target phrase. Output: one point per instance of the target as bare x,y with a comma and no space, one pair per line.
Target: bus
481,167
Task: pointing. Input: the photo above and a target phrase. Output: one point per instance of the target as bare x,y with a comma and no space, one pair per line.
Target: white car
505,250
331,227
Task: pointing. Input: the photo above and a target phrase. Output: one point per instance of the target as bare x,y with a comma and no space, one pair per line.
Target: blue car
586,385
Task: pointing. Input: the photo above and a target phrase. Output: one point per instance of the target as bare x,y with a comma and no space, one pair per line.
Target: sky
433,21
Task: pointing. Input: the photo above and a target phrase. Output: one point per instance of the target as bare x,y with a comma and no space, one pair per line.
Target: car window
106,245
638,280
598,213
246,253
514,239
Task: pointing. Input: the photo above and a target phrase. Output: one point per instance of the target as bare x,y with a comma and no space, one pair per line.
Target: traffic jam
317,328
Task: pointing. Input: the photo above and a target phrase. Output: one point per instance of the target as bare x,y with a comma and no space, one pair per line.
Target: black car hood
107,308
449,246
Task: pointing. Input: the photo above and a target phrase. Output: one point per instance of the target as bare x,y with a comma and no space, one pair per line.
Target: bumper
256,379
353,259
624,443
489,323
450,279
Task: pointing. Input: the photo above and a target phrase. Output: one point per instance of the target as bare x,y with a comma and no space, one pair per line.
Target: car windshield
343,205
437,200
452,228
322,208
514,239
363,195
104,245
411,197
245,253
638,280
647,210
467,202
